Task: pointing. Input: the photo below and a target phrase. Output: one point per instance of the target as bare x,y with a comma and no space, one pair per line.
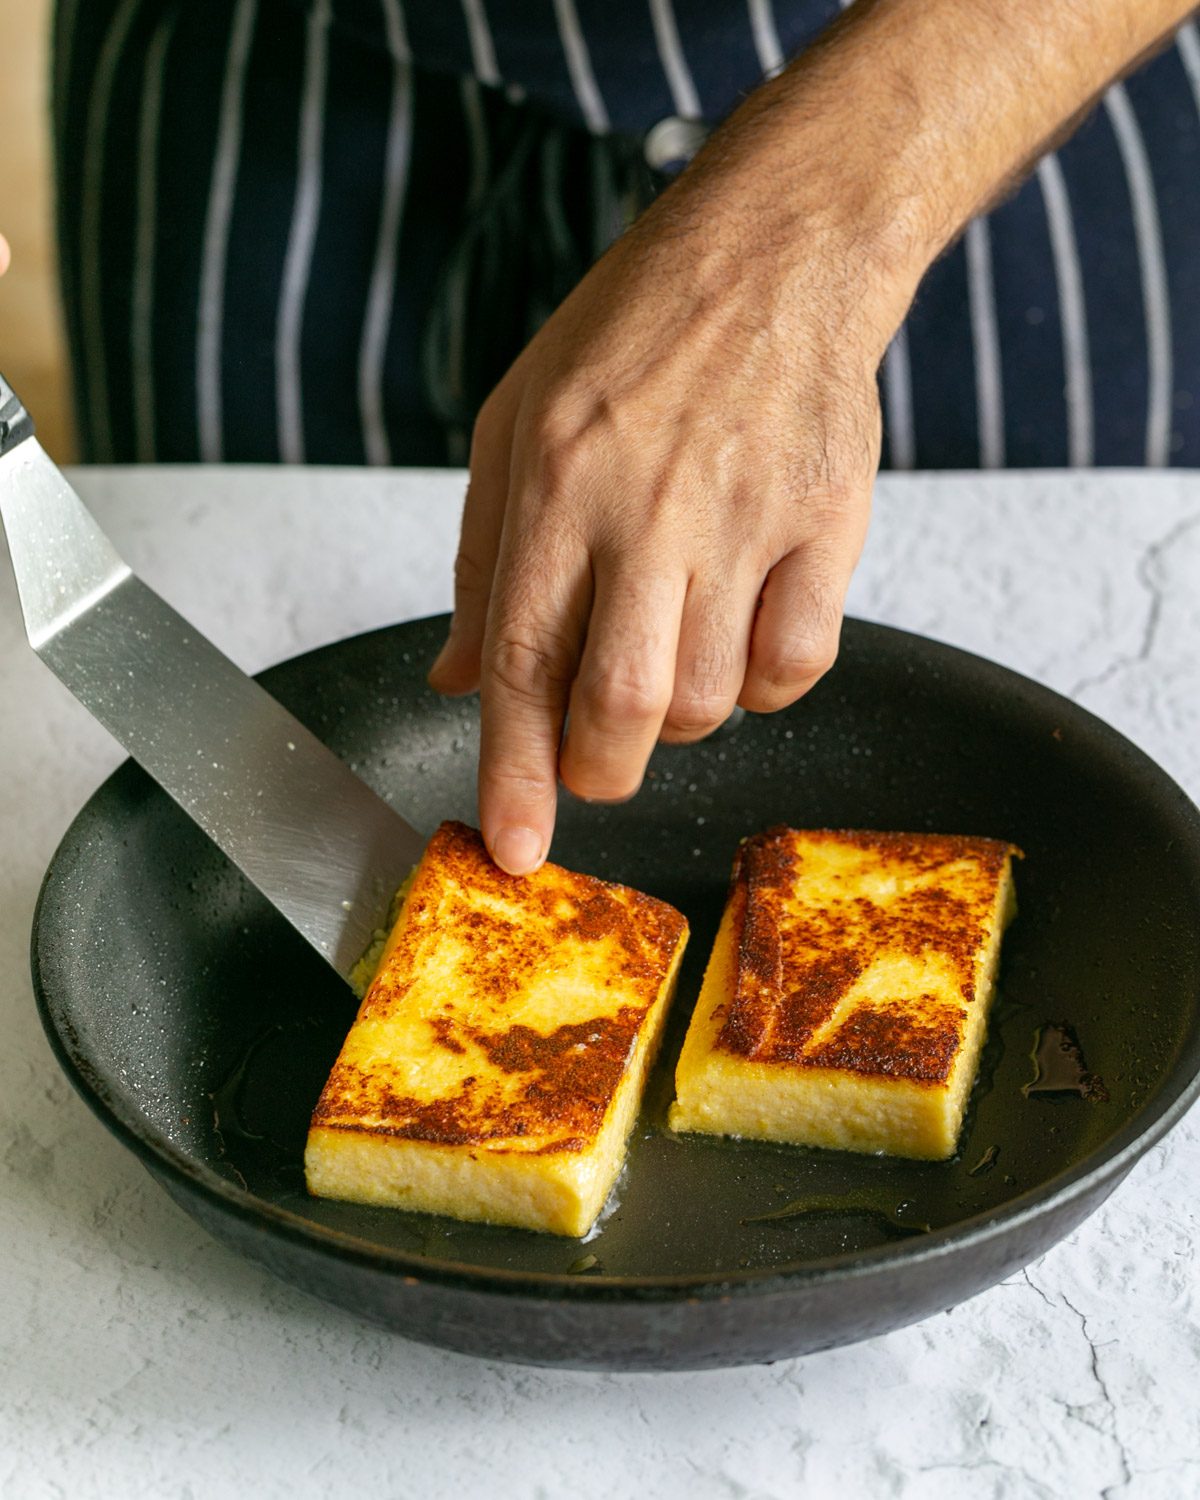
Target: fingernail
517,850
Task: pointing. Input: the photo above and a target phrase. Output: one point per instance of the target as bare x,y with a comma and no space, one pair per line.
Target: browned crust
920,1047
567,1077
790,976
573,1073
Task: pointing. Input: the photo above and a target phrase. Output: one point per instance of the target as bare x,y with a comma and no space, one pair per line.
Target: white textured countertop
139,1359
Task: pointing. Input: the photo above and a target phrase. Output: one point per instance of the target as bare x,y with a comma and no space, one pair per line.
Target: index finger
530,656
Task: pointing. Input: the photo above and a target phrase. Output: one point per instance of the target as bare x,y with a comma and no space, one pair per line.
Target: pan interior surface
199,1023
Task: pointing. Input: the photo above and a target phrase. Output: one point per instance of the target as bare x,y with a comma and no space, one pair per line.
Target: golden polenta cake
497,1062
846,998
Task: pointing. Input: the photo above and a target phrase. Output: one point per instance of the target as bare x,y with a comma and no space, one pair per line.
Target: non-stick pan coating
201,1027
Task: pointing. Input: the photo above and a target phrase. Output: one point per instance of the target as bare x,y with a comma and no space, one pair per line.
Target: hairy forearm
906,120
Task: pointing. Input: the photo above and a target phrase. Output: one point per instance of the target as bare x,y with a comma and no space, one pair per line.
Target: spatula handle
15,422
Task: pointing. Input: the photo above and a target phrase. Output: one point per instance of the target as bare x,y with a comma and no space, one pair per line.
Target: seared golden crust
797,961
918,1045
508,1085
846,996
557,905
572,1075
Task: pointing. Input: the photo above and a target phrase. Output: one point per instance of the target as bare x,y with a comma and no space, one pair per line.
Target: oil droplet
228,1124
1061,1069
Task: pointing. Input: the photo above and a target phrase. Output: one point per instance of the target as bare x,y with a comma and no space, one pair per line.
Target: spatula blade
324,849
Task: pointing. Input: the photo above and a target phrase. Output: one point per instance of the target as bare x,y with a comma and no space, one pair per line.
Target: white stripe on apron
1072,311
579,66
674,64
306,211
210,306
479,34
985,341
1154,274
141,331
898,402
91,212
377,320
766,37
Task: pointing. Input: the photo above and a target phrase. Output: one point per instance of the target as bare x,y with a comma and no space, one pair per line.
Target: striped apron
320,230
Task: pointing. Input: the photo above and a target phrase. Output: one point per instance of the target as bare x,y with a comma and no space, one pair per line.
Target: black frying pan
200,1027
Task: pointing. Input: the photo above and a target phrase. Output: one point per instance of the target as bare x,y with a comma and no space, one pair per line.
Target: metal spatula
316,841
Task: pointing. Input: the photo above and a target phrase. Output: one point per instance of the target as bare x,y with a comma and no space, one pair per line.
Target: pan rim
1105,1165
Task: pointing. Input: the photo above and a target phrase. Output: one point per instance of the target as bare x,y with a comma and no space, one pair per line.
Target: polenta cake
846,998
498,1059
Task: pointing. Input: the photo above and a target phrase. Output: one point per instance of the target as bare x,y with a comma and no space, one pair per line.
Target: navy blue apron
320,232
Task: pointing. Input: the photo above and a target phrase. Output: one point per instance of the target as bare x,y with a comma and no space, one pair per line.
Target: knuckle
516,785
562,461
568,433
624,695
470,575
530,665
787,661
694,715
785,667
547,422
707,685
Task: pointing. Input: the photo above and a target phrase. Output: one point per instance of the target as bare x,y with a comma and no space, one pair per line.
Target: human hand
5,255
669,488
669,491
